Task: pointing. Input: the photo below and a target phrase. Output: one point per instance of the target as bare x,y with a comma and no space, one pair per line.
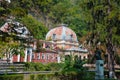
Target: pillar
99,72
25,59
18,59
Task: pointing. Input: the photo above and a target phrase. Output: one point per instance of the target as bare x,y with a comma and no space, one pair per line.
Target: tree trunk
110,48
110,60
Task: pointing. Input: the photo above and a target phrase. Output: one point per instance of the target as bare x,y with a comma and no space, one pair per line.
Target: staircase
11,67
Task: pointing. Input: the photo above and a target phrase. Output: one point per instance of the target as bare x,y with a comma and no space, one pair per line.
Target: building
60,42
64,41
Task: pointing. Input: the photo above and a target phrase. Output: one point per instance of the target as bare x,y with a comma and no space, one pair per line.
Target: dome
61,33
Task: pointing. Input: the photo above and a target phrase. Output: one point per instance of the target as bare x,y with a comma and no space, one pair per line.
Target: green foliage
1,22
11,77
58,76
44,77
37,29
55,66
73,69
10,46
77,73
104,25
117,59
1,10
36,67
27,4
69,12
50,13
100,21
44,6
43,67
32,77
18,12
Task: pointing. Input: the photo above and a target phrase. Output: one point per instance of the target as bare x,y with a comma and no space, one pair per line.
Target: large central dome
61,33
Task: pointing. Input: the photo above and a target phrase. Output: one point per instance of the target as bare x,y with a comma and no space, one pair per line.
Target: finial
65,25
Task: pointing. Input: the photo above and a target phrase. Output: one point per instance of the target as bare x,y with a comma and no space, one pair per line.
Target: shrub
11,77
55,66
34,66
32,77
39,67
42,67
44,77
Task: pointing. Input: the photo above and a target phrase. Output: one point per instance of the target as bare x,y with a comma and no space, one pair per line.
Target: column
18,58
58,59
30,49
25,59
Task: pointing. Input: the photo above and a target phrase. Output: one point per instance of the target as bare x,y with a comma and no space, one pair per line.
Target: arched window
76,58
71,37
54,36
84,57
67,57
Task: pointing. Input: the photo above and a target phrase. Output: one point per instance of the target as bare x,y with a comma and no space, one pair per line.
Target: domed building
63,37
64,41
61,42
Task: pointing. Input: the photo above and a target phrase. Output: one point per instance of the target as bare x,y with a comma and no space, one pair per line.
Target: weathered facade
60,42
65,42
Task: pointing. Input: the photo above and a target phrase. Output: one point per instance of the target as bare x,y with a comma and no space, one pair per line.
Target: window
47,56
47,46
29,51
84,57
54,36
33,56
56,58
71,37
38,56
63,37
43,56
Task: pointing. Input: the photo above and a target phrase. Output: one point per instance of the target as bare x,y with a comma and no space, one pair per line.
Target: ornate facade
65,42
60,42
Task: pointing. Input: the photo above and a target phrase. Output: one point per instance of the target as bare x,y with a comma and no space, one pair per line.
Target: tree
103,19
13,34
37,29
73,68
8,48
49,12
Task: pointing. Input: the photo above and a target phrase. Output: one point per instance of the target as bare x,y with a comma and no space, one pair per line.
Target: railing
28,72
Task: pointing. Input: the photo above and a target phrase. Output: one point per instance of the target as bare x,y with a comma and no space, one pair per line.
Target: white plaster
25,59
18,58
58,59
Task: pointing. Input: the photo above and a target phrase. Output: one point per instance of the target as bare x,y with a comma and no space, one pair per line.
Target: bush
39,67
42,67
32,77
44,77
34,66
60,76
11,77
55,66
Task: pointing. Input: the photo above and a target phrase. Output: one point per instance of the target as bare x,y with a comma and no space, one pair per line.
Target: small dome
61,33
